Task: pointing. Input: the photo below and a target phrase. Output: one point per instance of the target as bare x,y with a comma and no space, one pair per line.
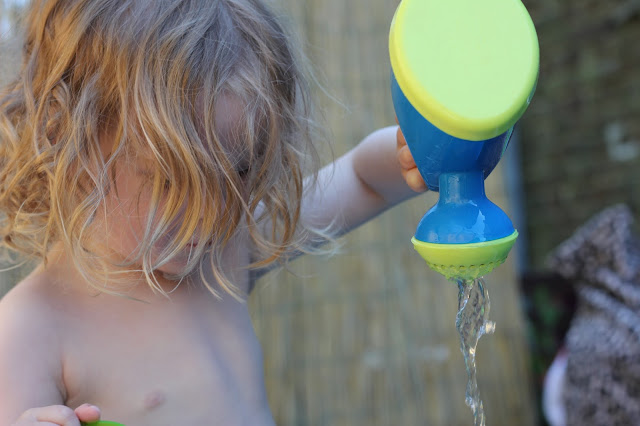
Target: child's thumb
88,413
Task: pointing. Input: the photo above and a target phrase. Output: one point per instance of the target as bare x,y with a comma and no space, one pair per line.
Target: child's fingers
402,151
414,180
405,158
400,140
408,166
88,413
58,415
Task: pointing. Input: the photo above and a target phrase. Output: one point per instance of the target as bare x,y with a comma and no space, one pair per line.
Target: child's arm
31,368
374,176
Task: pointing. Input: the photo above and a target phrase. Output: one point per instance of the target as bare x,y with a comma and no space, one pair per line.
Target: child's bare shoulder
33,296
31,357
30,315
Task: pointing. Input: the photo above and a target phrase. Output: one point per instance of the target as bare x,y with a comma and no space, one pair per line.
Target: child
152,157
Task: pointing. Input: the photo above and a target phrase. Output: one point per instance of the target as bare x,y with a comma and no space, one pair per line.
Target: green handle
101,423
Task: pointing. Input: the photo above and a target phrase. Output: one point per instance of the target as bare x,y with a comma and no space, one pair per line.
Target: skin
190,360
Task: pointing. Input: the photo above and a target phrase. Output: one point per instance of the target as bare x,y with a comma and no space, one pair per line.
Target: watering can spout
465,261
465,235
463,73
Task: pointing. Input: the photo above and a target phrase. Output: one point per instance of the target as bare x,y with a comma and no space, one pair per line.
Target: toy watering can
463,73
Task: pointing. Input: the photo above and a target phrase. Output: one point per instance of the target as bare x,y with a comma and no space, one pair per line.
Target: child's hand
59,415
409,170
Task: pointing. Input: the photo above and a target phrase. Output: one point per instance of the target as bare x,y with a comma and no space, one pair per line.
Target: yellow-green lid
469,66
465,261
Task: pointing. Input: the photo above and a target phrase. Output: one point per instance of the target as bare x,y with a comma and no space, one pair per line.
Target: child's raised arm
374,176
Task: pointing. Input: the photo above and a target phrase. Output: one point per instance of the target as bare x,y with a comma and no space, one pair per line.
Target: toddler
156,157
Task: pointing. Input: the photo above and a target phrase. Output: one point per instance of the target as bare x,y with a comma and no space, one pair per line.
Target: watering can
463,73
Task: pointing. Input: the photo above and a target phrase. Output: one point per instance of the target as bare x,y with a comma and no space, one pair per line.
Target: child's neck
62,269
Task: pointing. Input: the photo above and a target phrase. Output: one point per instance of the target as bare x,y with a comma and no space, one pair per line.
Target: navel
154,399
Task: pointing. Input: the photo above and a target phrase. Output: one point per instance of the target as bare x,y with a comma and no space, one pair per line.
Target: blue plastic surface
463,213
457,169
437,152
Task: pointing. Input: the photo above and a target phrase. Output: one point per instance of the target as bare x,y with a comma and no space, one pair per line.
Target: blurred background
368,337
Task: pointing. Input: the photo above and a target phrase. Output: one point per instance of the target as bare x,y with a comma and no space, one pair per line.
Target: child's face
128,208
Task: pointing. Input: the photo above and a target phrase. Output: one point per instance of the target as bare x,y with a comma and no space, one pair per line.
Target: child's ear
52,137
52,126
53,117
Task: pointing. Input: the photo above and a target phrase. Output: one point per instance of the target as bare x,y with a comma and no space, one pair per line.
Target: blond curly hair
150,72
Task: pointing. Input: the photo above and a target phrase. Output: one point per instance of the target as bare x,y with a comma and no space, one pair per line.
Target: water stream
472,322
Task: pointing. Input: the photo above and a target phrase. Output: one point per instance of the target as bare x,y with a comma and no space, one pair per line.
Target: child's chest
170,366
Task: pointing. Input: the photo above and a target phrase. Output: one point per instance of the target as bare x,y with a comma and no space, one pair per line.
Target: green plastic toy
102,423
